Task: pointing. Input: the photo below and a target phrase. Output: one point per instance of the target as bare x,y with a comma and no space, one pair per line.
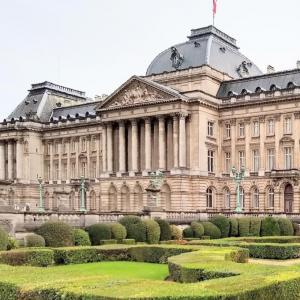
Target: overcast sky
95,45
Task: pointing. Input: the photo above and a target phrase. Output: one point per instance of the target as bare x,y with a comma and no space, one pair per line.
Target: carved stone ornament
176,58
243,69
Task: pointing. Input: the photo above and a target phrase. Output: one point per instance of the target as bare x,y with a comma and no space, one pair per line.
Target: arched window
125,199
138,198
273,88
258,90
244,92
112,195
242,197
209,198
230,94
290,85
93,203
270,197
165,197
255,198
227,198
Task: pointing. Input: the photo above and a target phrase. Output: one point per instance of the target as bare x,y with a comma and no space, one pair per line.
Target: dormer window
230,94
258,90
273,88
244,92
291,85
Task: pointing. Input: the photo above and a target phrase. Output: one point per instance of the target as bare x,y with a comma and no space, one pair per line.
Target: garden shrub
34,240
3,239
244,226
223,224
108,242
76,255
165,229
211,230
270,227
128,241
153,231
81,238
188,232
296,229
255,226
198,229
135,228
12,243
234,227
176,232
56,234
286,227
99,232
31,257
118,231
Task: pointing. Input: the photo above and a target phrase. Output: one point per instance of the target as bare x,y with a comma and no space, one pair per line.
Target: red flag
214,7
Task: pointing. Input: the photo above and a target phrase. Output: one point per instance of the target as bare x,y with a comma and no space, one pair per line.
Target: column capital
147,120
134,122
183,114
121,123
161,117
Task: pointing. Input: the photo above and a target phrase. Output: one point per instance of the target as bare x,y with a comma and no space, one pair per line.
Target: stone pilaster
109,153
161,144
2,161
19,159
104,153
147,144
182,140
175,142
10,159
121,147
134,146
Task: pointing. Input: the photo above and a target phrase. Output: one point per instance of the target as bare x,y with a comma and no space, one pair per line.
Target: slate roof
206,46
280,80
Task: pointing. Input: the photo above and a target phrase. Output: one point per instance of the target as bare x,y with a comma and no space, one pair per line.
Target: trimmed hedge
270,227
56,234
234,227
136,229
286,227
12,243
108,242
153,231
255,226
176,232
118,231
198,229
244,226
34,240
188,232
128,242
32,257
165,230
81,238
3,239
211,230
99,232
223,224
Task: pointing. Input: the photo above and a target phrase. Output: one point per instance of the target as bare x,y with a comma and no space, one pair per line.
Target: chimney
270,69
298,64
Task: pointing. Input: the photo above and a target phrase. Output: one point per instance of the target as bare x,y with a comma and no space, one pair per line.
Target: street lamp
41,200
82,194
238,177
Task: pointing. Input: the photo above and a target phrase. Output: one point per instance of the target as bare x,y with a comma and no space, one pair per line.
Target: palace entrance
288,198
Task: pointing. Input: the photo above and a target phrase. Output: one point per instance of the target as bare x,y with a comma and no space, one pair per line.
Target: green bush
244,226
234,227
118,231
128,241
286,227
255,226
165,230
56,234
176,233
3,239
198,229
211,230
270,227
32,257
296,229
135,228
223,224
99,232
81,238
12,243
188,232
108,242
153,231
34,240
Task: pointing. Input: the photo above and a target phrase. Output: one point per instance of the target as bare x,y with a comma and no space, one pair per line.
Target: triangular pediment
137,91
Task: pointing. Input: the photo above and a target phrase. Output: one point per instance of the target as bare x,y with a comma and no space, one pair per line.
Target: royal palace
202,108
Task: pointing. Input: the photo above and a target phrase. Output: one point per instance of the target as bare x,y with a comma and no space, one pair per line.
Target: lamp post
82,194
41,200
238,177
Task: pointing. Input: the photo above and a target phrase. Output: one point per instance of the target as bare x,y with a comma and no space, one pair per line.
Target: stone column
19,159
2,161
121,147
77,171
262,139
134,146
104,158
147,144
182,140
161,144
109,153
233,143
10,160
247,166
59,147
175,142
68,145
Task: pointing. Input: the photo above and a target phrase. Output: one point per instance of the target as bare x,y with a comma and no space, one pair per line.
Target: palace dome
205,46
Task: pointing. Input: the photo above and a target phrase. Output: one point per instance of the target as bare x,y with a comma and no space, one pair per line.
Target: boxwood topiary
81,238
34,240
118,231
188,232
3,239
211,230
270,227
198,229
176,233
223,224
56,234
234,227
244,226
153,231
135,228
255,226
99,232
286,227
165,229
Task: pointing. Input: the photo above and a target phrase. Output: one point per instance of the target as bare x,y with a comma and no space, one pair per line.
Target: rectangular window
271,127
255,157
241,130
56,171
48,148
73,170
73,146
241,159
270,159
65,171
227,131
64,147
210,128
227,162
93,143
55,148
210,160
288,125
288,158
83,144
255,129
83,169
94,170
48,172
